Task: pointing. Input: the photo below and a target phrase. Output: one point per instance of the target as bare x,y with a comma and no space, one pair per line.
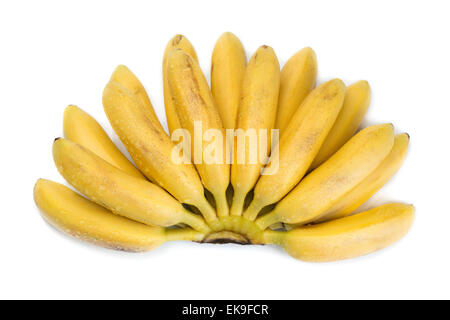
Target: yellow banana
227,71
356,103
197,113
326,185
127,79
347,237
298,78
118,191
81,128
181,42
151,148
83,219
257,111
370,185
300,143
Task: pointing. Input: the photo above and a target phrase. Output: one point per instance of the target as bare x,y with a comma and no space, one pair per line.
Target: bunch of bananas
325,171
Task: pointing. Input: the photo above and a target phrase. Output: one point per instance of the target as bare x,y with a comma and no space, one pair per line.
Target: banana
118,191
126,78
298,78
151,149
300,192
227,72
356,103
197,113
257,111
81,128
326,185
181,42
347,237
83,219
299,144
370,185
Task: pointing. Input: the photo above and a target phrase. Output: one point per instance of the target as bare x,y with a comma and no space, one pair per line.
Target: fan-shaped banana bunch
261,156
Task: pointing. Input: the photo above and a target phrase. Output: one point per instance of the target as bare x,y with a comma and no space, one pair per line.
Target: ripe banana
83,219
299,192
151,149
298,78
118,191
181,42
195,107
326,185
371,184
347,237
127,79
81,128
227,72
257,111
356,103
299,144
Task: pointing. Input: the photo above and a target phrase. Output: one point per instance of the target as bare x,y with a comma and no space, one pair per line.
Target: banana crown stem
273,237
183,234
206,210
236,226
265,221
221,204
253,209
194,221
238,203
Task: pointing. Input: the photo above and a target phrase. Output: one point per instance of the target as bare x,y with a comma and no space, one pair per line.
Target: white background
55,53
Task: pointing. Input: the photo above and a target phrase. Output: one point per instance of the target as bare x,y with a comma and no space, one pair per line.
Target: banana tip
121,66
309,50
177,39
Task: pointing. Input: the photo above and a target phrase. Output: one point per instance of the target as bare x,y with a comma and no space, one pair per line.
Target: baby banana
299,144
227,71
126,78
69,212
197,113
151,149
81,128
284,155
347,237
118,191
298,78
370,185
326,185
181,42
356,103
257,111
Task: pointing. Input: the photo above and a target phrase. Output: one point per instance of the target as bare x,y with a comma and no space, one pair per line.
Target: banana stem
207,211
221,204
238,203
252,211
194,221
183,234
267,220
273,237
